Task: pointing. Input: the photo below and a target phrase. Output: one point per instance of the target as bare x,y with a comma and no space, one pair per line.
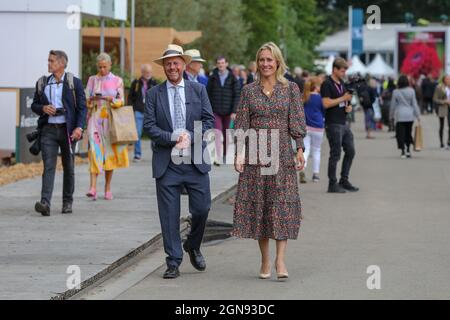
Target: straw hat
173,50
195,54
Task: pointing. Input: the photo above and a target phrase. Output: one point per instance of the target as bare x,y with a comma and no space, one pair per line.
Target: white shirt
171,93
54,92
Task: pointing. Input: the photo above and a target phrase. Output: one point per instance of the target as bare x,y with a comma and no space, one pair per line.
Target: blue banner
357,31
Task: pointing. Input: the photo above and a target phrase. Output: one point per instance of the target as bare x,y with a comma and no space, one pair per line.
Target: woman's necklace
268,92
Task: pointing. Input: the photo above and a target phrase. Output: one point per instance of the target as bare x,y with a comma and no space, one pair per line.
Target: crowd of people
302,107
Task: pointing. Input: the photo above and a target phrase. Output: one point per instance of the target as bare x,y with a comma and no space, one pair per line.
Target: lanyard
339,88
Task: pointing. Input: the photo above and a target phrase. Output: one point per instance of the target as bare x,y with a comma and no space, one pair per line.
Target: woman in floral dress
268,205
105,91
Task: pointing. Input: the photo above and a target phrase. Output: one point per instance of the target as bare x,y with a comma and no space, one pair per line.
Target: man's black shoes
172,272
197,260
347,185
43,208
336,188
67,208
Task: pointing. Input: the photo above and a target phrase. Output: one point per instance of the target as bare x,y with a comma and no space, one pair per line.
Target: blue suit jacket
158,123
75,114
201,79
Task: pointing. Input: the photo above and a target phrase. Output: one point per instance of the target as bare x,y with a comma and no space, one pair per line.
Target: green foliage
265,19
237,28
178,14
335,11
224,31
293,24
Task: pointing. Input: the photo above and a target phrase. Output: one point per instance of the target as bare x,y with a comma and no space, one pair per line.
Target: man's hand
49,109
183,141
300,163
348,108
76,134
347,96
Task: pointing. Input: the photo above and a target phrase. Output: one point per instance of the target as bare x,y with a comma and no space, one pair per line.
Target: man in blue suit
60,102
170,112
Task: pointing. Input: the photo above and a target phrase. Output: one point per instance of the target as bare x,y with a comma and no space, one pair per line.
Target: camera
32,136
60,112
354,84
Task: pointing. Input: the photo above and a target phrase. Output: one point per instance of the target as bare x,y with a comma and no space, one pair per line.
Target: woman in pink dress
105,91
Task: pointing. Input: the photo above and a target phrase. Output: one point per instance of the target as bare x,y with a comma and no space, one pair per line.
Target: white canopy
329,65
357,66
378,67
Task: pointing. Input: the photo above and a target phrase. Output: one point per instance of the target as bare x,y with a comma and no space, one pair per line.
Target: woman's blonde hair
278,56
310,85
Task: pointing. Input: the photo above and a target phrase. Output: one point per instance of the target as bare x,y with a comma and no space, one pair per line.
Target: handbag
122,125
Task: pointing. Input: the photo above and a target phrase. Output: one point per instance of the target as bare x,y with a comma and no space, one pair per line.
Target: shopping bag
122,125
376,110
418,138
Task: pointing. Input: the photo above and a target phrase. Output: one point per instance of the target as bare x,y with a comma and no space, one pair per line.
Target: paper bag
418,138
122,126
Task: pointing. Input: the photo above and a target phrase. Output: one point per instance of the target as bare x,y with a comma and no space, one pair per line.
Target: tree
178,14
391,11
224,31
302,23
292,24
264,18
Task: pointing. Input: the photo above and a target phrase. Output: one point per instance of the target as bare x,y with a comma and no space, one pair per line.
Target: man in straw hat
170,112
192,72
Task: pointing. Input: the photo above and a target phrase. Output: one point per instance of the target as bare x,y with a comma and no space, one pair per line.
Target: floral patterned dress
104,156
268,206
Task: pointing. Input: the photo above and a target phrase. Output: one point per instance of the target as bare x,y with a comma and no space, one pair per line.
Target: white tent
329,65
378,67
357,66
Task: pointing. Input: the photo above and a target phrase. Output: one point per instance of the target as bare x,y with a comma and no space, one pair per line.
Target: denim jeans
340,136
53,139
139,117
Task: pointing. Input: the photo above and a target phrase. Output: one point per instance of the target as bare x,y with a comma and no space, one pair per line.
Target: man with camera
60,102
336,100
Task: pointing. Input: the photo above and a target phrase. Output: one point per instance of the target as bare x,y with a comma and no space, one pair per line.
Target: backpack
42,82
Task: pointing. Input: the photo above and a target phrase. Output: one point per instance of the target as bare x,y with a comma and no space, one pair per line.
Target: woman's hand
108,98
239,164
300,163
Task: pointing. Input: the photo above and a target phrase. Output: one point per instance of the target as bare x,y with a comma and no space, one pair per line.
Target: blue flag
357,31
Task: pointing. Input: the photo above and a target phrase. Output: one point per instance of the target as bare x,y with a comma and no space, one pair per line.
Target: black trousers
340,137
168,192
441,129
54,138
403,132
428,104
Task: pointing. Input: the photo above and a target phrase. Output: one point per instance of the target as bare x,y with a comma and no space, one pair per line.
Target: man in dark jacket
224,93
138,91
428,86
60,102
